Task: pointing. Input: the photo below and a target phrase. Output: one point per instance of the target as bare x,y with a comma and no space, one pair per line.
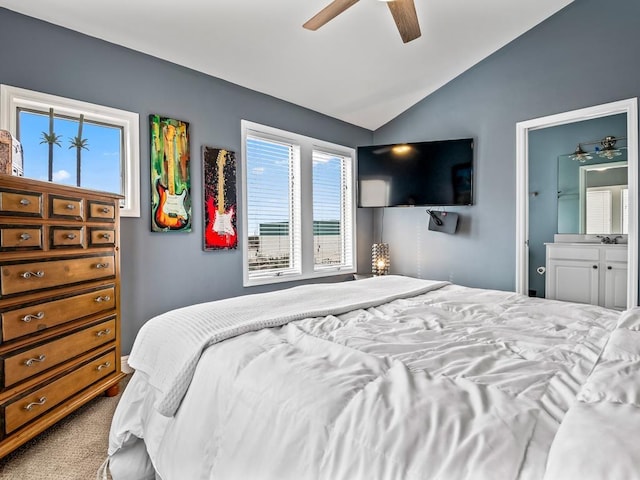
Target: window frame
303,189
12,99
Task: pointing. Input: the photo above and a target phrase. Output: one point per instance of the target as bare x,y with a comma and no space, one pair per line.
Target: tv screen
438,173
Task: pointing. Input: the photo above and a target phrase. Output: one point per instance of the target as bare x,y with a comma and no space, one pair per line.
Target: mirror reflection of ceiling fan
403,12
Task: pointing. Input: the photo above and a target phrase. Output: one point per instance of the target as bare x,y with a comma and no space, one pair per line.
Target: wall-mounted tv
438,173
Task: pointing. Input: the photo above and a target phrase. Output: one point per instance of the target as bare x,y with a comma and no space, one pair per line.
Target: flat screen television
438,173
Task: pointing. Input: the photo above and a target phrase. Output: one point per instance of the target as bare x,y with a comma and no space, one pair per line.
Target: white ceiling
355,68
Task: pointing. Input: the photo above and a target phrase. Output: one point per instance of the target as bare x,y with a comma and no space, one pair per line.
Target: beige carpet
73,449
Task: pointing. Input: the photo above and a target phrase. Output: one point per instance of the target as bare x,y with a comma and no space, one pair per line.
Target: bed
379,379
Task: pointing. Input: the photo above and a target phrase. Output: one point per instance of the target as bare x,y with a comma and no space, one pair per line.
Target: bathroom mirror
593,194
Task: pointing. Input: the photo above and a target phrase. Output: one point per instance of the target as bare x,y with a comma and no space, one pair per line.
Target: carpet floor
72,449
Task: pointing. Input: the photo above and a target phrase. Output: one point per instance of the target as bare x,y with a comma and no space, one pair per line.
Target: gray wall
161,271
545,145
581,56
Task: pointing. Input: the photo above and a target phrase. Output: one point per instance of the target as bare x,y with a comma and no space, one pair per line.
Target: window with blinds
272,208
298,195
332,210
598,211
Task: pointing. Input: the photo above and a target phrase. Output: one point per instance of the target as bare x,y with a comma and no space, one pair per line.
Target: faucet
608,240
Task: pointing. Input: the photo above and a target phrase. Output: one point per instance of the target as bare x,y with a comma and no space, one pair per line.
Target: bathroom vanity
594,273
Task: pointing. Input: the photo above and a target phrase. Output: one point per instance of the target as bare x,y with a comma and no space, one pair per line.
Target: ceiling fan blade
406,18
329,12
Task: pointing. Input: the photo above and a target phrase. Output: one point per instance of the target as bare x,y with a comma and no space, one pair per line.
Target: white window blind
272,208
598,211
332,211
625,210
299,215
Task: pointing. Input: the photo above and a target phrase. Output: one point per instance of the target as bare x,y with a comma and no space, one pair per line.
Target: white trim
12,98
628,106
307,146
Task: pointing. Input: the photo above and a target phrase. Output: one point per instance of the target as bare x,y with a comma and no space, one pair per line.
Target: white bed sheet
456,383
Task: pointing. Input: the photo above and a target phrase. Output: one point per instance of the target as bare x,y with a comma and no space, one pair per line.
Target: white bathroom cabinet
587,273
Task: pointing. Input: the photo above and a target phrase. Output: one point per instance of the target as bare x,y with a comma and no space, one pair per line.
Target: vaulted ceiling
355,68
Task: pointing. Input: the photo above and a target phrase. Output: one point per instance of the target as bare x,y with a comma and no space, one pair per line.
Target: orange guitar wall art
220,229
170,145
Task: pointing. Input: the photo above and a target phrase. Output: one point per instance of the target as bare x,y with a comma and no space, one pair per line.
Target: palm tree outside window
71,151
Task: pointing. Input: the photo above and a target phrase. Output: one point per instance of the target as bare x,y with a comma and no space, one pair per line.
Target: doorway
628,107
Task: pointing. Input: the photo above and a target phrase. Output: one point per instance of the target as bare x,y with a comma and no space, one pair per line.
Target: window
332,180
598,211
298,220
75,143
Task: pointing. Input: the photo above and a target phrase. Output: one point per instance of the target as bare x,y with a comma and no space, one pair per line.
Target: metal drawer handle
31,361
101,333
70,206
106,298
105,236
105,209
102,265
37,316
25,202
25,236
38,274
41,401
104,365
71,236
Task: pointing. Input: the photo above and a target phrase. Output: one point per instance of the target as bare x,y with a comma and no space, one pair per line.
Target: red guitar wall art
221,231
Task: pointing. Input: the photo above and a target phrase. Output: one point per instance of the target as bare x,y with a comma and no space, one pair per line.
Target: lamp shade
380,259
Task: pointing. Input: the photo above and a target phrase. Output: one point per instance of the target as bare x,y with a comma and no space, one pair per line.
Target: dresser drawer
25,409
24,277
17,237
20,203
66,207
99,211
66,237
99,237
20,366
27,320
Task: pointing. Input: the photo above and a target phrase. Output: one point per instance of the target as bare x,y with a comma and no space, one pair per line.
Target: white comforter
457,383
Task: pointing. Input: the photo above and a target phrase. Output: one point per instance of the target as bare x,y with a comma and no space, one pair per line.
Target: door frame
628,106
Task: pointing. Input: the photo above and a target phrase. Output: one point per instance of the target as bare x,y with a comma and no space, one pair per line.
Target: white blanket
457,383
600,434
168,347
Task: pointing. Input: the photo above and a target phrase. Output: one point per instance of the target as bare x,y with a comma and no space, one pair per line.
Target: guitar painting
170,175
220,199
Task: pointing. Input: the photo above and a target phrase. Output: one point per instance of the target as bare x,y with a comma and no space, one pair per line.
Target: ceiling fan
403,11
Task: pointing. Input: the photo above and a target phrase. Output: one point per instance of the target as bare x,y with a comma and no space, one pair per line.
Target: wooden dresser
59,303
